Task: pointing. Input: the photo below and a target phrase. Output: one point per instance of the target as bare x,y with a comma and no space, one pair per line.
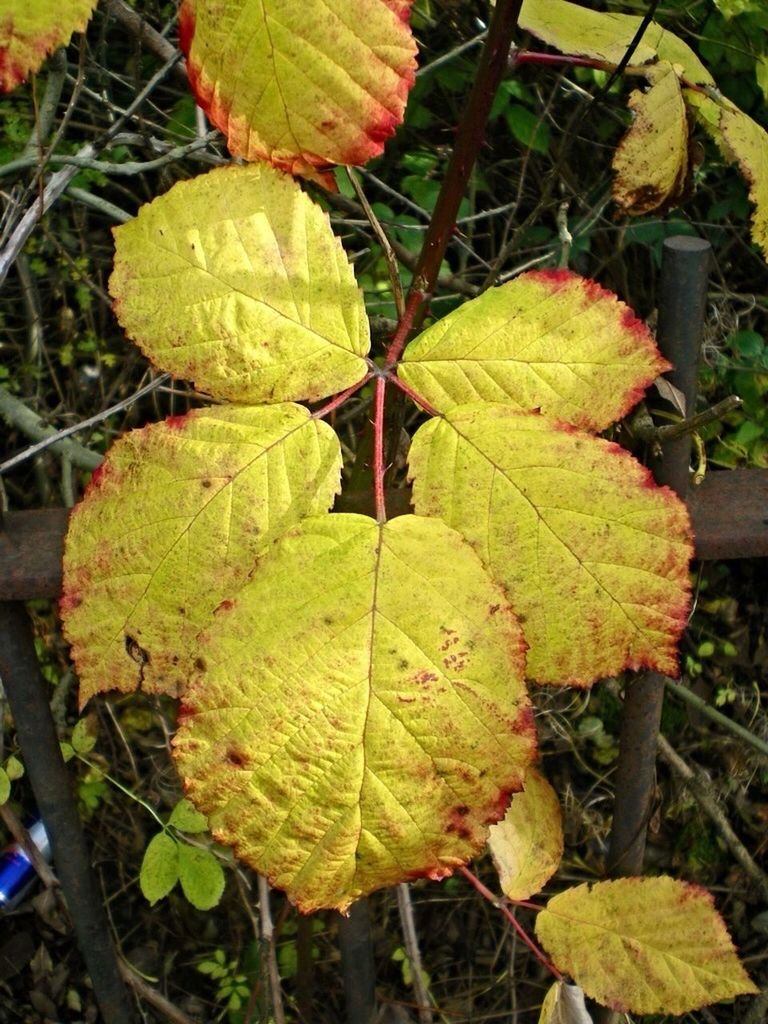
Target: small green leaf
160,867
5,786
84,735
187,818
201,876
67,751
14,768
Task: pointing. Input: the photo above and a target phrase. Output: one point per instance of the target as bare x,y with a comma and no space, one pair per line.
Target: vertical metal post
357,964
27,693
682,303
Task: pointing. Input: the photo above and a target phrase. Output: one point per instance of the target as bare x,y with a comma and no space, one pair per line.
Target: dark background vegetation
546,161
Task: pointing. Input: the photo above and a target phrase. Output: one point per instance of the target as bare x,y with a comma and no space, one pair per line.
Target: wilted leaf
564,1004
234,280
301,85
186,818
354,737
671,394
159,868
575,29
643,945
651,161
593,555
527,846
548,340
173,520
201,876
31,29
745,143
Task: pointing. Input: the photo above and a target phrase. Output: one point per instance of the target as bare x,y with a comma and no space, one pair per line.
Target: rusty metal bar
682,303
27,693
729,513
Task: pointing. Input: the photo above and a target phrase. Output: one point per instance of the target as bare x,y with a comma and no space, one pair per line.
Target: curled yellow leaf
527,845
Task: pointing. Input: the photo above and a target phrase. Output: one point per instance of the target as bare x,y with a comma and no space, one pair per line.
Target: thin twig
58,182
268,940
59,435
384,242
683,693
405,906
501,906
151,995
127,169
700,790
18,415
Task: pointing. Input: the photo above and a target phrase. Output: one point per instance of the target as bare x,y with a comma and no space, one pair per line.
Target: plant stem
469,138
378,449
404,325
486,893
410,937
340,399
414,395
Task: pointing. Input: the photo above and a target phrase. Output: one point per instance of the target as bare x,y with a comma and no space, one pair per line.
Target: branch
699,787
16,413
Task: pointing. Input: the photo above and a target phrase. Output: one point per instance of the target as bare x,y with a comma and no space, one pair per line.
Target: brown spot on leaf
236,758
199,664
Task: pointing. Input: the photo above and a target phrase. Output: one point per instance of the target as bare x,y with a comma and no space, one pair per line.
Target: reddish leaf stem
415,298
558,59
378,449
469,138
414,395
340,399
486,893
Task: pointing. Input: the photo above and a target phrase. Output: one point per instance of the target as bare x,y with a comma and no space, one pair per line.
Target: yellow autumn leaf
301,85
745,143
235,280
527,845
576,29
643,945
549,340
593,555
31,29
342,736
174,519
651,161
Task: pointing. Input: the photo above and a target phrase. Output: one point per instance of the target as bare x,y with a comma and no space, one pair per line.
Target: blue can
17,874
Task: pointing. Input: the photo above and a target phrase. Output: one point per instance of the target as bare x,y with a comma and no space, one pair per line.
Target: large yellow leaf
172,521
651,161
302,85
548,340
344,736
575,29
592,554
745,143
31,29
235,280
527,846
643,945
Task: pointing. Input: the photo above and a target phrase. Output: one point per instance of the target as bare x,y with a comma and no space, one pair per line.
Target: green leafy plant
354,705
